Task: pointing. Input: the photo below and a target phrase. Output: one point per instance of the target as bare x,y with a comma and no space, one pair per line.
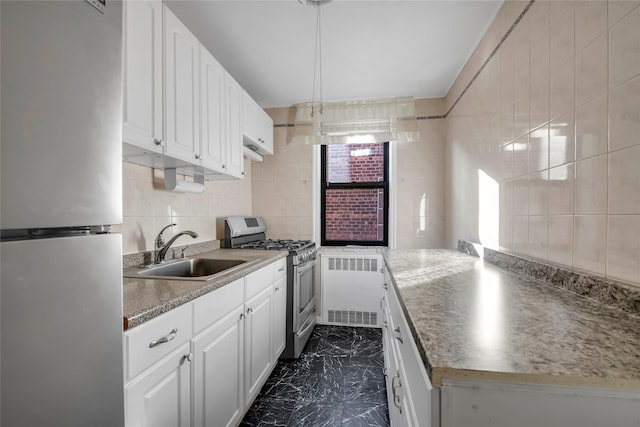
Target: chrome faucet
163,248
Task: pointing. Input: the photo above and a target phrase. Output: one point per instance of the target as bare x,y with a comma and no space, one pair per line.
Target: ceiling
370,49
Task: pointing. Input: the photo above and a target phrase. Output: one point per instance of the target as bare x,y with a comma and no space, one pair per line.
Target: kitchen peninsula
501,348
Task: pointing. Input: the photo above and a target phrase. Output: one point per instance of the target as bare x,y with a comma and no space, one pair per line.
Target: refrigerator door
61,162
61,320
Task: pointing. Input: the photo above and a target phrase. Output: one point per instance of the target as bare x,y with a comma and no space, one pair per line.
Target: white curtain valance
356,122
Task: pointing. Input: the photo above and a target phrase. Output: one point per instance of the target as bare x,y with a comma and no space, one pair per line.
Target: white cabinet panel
233,98
212,131
258,360
182,89
218,372
257,126
161,396
279,337
142,74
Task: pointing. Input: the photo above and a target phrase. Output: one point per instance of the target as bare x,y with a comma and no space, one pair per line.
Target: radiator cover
351,289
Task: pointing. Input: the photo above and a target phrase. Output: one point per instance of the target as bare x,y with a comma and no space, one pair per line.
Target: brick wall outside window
355,214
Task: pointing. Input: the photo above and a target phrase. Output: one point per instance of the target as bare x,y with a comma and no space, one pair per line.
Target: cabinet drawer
280,267
259,280
215,305
150,342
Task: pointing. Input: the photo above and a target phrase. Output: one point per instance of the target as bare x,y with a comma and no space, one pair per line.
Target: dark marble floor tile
365,415
323,388
339,367
374,361
364,385
315,414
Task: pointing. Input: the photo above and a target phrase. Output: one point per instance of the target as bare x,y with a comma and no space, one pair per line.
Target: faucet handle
160,239
182,251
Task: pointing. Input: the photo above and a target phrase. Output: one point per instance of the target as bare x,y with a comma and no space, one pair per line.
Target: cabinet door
212,126
161,396
258,342
181,89
266,125
250,117
279,317
233,102
142,74
218,372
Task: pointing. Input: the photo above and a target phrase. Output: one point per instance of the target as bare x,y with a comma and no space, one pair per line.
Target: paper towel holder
172,184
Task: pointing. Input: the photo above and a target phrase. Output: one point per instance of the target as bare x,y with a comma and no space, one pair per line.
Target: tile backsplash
553,118
148,207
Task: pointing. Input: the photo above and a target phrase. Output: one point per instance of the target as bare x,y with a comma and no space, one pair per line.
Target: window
355,194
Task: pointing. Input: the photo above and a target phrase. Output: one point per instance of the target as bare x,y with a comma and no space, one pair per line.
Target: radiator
351,289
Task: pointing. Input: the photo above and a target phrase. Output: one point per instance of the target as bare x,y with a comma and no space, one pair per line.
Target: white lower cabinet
411,398
203,363
218,397
161,395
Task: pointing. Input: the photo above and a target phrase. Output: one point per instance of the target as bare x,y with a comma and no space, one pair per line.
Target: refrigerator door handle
164,339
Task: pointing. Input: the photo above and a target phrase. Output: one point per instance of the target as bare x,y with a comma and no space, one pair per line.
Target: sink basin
190,269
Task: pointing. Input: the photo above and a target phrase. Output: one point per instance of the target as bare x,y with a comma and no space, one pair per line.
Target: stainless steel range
243,232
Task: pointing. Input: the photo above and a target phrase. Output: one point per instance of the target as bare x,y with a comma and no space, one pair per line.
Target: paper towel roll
172,184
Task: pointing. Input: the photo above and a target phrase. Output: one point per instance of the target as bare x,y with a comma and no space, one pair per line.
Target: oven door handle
306,266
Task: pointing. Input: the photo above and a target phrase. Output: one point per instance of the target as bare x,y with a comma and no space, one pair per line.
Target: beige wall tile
539,62
539,105
618,9
624,115
560,247
520,242
561,90
521,196
506,198
507,161
591,186
624,181
521,156
624,49
539,20
623,247
506,233
592,128
538,236
539,149
539,193
562,140
590,21
589,248
561,185
558,8
561,36
591,71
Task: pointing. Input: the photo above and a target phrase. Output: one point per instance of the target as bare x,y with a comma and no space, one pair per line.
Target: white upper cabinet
182,90
212,109
233,97
257,126
142,75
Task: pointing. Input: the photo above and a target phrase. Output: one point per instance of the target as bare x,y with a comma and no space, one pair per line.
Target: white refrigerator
61,190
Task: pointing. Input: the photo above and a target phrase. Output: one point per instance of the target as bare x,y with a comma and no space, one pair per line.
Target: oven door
303,292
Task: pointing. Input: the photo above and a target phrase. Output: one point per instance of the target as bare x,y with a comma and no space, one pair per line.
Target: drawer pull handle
396,397
249,310
396,334
281,268
384,324
277,289
164,339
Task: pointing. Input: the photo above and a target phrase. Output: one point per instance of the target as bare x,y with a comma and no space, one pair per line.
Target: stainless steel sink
190,269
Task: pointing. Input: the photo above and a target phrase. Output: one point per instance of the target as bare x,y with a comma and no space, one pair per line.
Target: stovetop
269,244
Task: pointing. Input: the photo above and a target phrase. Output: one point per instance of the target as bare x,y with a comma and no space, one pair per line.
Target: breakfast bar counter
475,321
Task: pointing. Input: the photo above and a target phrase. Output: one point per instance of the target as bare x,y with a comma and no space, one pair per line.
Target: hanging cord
317,61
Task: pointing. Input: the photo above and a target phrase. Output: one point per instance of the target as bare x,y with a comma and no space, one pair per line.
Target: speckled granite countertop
144,299
473,320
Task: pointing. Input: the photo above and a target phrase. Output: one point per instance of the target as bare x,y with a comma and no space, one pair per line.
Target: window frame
324,186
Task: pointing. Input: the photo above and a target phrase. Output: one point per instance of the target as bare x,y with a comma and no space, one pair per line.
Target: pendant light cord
317,64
